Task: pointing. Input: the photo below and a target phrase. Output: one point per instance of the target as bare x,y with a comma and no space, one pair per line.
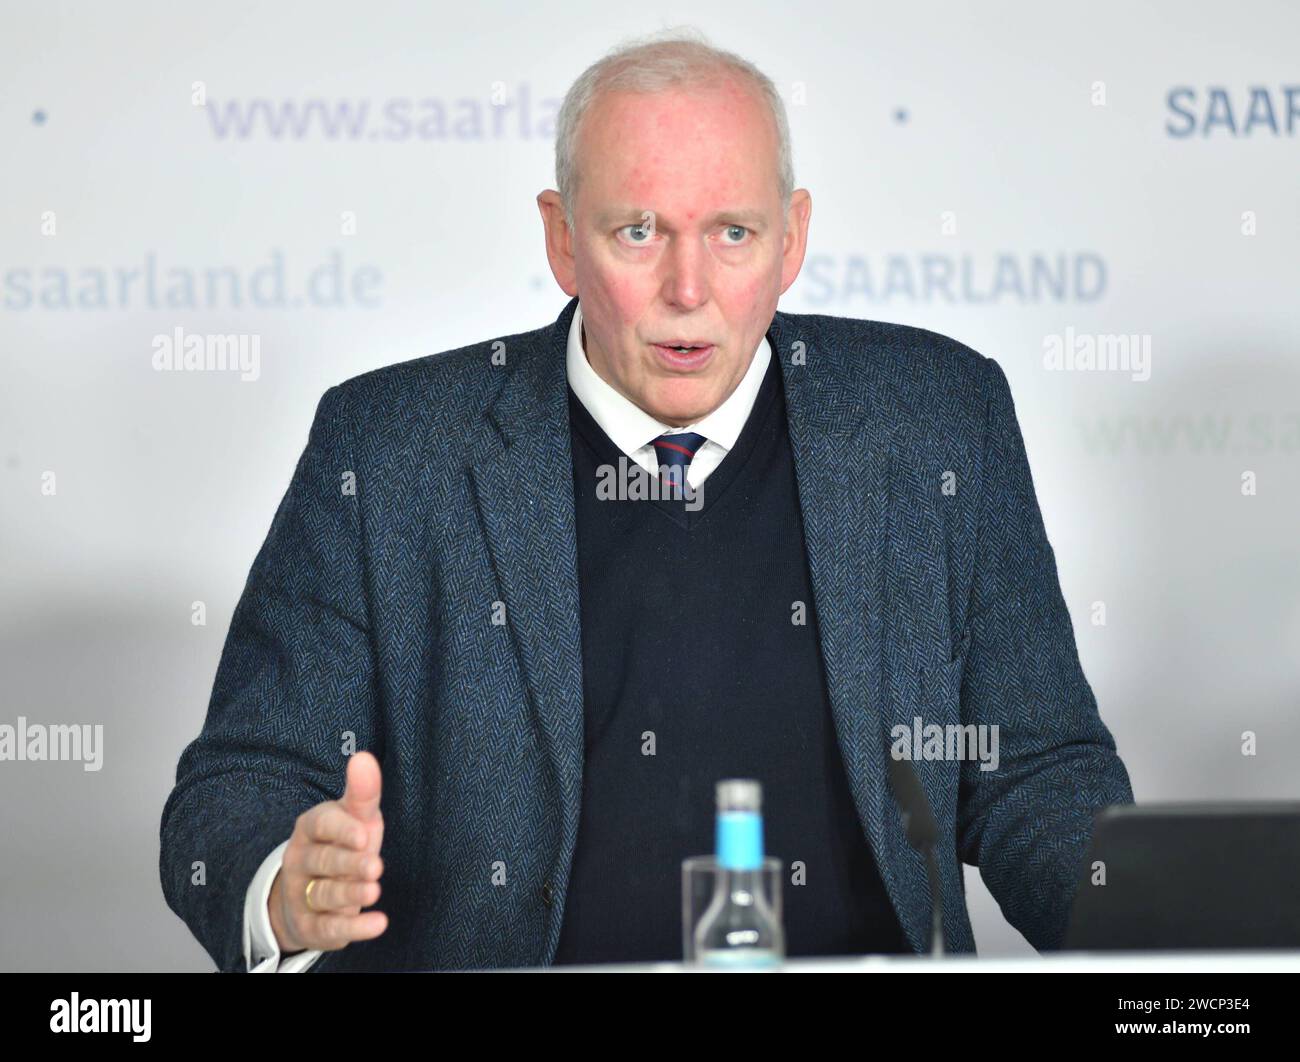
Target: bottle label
740,840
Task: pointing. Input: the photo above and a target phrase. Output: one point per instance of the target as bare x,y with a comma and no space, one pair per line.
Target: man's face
679,238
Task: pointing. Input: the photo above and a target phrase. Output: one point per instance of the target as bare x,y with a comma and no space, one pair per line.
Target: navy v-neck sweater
694,670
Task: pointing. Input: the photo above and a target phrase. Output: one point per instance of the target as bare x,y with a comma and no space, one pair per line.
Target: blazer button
548,893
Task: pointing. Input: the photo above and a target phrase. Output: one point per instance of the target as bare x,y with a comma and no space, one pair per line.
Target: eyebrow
628,215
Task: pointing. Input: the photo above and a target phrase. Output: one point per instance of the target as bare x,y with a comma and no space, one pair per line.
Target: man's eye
643,231
737,228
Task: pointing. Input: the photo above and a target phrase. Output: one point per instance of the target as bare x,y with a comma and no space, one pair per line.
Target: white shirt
632,430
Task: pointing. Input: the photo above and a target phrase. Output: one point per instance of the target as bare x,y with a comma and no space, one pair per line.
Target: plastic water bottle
739,929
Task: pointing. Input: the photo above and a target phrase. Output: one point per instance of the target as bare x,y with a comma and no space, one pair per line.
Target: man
547,680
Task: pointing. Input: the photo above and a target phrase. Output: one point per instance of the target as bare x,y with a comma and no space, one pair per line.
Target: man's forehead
629,175
708,114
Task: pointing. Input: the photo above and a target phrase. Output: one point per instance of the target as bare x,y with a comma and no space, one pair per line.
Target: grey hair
679,57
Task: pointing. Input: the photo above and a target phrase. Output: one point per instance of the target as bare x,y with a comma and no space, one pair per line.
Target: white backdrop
1145,157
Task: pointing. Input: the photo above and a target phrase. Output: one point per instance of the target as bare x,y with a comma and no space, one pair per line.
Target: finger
336,894
375,834
306,858
331,931
333,825
331,861
361,794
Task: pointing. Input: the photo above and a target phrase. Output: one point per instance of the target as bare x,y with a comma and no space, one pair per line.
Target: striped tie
675,453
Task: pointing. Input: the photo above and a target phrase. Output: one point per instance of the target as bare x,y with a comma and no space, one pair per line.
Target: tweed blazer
417,596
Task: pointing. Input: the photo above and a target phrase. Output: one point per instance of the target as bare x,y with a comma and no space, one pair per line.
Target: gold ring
309,885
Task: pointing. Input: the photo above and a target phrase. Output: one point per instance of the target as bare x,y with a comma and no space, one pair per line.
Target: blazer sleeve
1027,823
293,695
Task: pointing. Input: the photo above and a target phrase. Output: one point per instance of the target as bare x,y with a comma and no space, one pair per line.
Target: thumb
361,794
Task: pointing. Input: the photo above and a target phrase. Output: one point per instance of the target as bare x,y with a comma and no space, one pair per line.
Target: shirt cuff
261,950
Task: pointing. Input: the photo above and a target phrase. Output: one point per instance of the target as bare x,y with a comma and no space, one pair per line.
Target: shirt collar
630,427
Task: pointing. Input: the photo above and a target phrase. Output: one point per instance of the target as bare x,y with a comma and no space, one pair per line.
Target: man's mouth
684,354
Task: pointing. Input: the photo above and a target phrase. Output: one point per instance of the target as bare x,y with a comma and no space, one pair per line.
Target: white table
1054,962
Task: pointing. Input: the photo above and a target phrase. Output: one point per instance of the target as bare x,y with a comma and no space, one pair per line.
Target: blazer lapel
842,456
523,487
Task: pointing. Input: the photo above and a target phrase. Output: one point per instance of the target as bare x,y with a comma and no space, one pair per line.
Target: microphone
922,833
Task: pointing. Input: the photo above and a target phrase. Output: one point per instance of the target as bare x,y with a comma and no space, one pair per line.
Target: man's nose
686,283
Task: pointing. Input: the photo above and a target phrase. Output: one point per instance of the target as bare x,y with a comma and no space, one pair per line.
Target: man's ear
796,236
559,241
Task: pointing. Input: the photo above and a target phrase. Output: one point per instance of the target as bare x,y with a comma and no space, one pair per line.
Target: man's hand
337,844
